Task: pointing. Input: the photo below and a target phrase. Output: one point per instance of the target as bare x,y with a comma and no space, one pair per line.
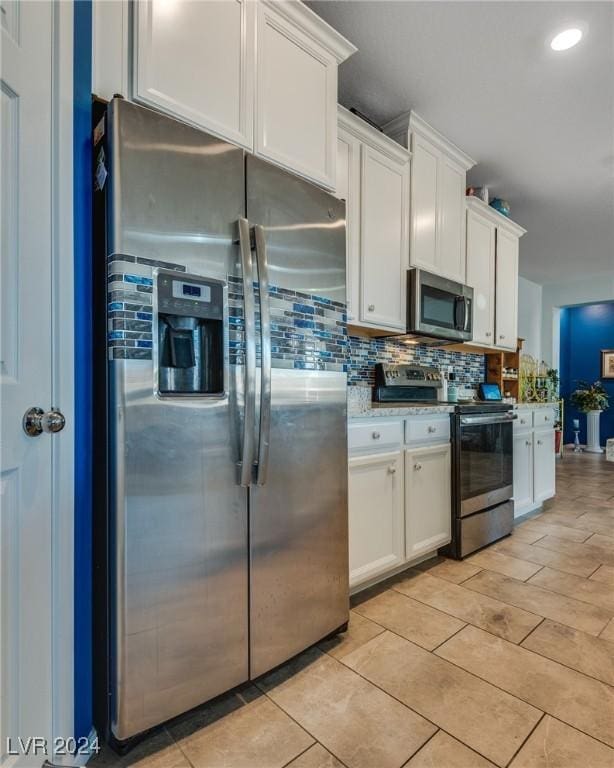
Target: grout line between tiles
515,696
530,633
428,720
531,732
420,748
302,727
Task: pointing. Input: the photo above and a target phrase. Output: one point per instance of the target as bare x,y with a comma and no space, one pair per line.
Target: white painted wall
556,295
530,317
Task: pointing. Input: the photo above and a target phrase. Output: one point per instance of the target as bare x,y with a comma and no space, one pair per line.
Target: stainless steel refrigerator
226,341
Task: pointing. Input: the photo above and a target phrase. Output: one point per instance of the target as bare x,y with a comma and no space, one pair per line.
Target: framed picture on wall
607,363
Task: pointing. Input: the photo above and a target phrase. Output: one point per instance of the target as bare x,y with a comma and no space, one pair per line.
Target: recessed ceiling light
566,39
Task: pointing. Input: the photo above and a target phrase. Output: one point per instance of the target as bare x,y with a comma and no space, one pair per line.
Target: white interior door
25,377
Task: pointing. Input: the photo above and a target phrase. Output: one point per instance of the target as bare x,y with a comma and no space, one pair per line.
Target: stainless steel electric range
482,508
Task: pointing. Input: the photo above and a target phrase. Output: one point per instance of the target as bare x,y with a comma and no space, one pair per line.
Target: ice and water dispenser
190,317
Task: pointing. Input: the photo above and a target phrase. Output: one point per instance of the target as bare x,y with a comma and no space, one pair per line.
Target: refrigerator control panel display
190,296
183,290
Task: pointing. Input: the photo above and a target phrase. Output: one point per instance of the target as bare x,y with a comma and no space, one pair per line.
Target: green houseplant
591,399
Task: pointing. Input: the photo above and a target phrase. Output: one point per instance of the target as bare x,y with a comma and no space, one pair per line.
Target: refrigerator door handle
265,355
249,394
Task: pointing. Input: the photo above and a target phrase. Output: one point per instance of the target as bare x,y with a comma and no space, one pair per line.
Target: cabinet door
544,465
348,189
296,99
376,525
424,186
428,499
384,222
195,61
481,276
506,314
110,46
523,472
451,221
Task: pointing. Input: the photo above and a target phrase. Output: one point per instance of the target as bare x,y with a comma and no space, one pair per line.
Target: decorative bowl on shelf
500,205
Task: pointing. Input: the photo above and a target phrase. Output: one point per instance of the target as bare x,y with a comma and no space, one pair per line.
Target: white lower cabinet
523,472
399,495
544,482
534,459
428,501
376,517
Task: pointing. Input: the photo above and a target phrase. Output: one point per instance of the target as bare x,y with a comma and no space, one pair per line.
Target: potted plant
591,399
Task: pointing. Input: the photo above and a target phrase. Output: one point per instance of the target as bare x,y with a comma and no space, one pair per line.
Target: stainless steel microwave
438,309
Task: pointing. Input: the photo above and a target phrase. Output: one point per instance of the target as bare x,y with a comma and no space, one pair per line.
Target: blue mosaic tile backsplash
307,331
363,353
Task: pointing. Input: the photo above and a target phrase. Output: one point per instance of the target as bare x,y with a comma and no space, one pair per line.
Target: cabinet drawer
373,435
544,417
524,421
427,429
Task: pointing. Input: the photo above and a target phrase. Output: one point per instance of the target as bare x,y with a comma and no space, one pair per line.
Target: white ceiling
539,123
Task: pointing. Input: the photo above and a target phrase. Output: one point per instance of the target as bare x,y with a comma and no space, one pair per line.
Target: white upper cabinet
258,73
195,62
348,189
481,275
423,219
373,178
383,240
296,89
492,272
506,292
439,173
451,248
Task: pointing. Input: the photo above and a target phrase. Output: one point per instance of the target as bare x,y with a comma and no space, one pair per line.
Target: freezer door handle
249,390
265,356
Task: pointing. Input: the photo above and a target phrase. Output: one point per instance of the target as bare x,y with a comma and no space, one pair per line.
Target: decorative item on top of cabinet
259,73
373,178
492,271
438,184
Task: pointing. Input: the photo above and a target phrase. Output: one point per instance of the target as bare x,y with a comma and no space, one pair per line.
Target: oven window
486,458
437,307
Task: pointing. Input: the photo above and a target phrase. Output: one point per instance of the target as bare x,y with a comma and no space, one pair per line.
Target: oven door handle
477,420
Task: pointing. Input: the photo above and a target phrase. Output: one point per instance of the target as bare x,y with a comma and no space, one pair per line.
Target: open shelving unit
497,361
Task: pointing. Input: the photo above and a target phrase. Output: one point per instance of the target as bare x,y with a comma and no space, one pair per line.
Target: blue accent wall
585,331
82,90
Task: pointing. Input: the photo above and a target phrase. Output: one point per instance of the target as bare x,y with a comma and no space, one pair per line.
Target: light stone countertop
360,406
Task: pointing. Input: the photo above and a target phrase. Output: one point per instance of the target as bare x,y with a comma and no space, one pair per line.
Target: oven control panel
406,375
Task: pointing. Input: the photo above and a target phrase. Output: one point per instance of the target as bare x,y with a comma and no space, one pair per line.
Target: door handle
36,421
249,388
264,434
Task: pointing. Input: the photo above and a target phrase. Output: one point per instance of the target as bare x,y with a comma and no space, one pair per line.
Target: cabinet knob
488,333
539,442
417,466
371,307
501,336
528,443
523,421
392,469
546,418
432,429
376,435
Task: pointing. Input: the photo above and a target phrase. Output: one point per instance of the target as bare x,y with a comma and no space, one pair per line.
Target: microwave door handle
249,388
467,303
265,357
459,319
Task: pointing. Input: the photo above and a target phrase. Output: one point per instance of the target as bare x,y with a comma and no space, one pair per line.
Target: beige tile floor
504,659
